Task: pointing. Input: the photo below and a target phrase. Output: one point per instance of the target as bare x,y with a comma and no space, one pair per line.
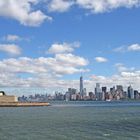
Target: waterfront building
91,96
74,97
104,92
119,87
98,92
81,86
119,91
113,90
110,96
136,95
125,95
67,96
82,89
72,91
130,92
104,89
59,96
71,94
7,98
85,92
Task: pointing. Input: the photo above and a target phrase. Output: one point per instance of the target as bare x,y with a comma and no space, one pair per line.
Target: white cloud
130,48
100,6
120,49
128,74
95,6
134,47
100,59
59,5
11,49
70,59
12,38
121,68
63,48
22,11
60,48
63,64
41,72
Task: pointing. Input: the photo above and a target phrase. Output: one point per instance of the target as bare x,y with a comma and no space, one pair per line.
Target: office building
81,86
98,92
130,92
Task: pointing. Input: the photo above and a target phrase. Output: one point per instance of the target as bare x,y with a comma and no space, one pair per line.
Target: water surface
72,121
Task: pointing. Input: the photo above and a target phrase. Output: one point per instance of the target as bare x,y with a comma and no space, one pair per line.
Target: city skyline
100,93
46,45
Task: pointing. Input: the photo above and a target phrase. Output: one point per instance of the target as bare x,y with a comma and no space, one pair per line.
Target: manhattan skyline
48,44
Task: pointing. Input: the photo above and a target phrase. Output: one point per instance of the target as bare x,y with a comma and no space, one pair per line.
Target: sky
45,45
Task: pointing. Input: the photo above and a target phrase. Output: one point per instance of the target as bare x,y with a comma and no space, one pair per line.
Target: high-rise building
136,94
130,92
81,86
85,91
119,91
98,92
113,91
104,89
104,92
91,95
98,89
67,96
71,94
72,91
119,87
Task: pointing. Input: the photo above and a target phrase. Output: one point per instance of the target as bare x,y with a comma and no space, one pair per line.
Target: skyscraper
119,87
120,91
81,86
130,92
98,92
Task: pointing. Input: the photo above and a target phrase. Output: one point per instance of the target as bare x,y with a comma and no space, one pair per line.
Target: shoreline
24,104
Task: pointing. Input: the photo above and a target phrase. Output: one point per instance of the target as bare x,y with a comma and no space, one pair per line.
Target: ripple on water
70,123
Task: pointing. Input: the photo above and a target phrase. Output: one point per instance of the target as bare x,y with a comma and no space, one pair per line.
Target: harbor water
72,121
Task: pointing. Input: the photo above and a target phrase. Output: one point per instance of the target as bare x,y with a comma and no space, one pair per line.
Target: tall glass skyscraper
98,92
81,86
130,92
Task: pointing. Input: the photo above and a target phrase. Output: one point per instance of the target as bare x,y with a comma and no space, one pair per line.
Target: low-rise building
7,98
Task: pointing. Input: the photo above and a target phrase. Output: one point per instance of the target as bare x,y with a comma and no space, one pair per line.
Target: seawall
23,104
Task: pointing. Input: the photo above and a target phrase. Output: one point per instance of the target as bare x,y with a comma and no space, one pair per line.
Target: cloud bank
41,71
94,6
25,11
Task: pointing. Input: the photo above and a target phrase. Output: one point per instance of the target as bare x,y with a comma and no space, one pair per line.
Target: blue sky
48,44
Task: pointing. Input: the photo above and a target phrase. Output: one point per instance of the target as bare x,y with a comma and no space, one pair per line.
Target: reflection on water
72,121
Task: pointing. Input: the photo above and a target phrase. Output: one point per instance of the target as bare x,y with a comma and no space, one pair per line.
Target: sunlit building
130,92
